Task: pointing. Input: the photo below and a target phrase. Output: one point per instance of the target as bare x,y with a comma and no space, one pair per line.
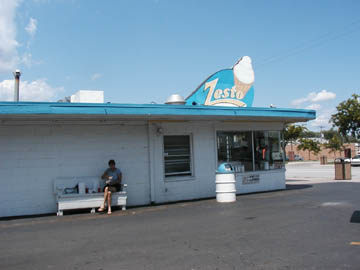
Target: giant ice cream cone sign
227,87
243,75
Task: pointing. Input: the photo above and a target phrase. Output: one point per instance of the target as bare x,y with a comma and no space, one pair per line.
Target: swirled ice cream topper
227,87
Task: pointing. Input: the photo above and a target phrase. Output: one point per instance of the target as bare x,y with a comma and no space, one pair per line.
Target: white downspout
151,169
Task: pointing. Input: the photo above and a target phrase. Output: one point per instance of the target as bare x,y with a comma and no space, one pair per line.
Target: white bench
87,200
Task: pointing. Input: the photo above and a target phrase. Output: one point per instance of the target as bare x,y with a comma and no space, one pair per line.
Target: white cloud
322,120
31,27
315,97
314,106
96,76
322,96
38,90
8,44
299,101
9,56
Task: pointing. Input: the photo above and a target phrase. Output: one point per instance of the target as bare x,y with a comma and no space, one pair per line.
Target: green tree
334,144
347,118
291,134
310,134
309,145
329,134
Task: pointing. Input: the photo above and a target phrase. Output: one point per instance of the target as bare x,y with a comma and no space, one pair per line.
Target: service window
177,155
268,152
253,150
235,147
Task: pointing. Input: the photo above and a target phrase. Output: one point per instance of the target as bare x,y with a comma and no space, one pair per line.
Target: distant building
353,150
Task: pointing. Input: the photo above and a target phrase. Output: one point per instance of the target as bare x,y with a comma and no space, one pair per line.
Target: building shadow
355,218
26,217
295,186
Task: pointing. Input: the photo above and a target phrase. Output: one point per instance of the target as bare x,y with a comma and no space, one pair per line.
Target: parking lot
314,224
314,172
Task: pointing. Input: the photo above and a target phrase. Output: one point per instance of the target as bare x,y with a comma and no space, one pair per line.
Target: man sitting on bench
112,177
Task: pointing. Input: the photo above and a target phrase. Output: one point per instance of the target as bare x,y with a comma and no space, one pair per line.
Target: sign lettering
222,95
251,179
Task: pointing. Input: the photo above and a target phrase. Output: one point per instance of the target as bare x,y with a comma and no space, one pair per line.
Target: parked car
355,161
296,158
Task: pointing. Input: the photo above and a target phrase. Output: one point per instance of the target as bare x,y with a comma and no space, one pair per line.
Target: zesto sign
227,87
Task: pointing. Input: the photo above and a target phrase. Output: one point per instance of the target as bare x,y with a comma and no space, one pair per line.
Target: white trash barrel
225,184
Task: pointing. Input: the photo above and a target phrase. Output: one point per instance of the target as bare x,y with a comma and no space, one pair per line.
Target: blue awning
32,110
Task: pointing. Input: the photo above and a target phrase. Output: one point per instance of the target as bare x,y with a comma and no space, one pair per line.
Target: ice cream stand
167,152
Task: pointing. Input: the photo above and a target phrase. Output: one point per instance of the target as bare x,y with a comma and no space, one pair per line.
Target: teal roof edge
55,108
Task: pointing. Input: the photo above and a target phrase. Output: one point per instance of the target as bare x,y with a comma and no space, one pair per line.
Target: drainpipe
17,75
151,159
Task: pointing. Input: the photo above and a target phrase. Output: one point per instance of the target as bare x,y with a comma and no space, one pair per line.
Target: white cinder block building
166,152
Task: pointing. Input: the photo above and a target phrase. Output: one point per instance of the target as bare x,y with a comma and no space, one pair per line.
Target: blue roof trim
50,108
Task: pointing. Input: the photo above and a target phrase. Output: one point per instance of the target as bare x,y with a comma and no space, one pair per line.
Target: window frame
280,136
174,178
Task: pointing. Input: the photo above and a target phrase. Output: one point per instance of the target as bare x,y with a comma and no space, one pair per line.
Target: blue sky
305,53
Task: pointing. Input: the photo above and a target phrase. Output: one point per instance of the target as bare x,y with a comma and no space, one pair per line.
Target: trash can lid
225,168
339,160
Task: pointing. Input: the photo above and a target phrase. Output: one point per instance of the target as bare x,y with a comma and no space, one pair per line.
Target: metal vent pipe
17,75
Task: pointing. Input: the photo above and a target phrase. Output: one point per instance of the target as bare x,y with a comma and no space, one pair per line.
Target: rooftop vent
65,99
88,96
175,100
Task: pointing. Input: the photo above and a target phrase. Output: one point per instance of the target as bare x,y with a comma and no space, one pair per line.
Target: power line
316,42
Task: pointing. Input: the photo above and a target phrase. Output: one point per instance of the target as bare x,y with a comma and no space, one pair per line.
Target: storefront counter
258,181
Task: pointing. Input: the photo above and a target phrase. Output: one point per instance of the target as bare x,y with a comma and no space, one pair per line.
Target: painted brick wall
324,151
269,180
32,156
202,183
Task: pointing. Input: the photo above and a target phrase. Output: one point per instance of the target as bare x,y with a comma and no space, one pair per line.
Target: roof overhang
48,110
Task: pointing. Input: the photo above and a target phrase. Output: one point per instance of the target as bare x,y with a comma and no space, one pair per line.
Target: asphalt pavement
314,224
314,172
